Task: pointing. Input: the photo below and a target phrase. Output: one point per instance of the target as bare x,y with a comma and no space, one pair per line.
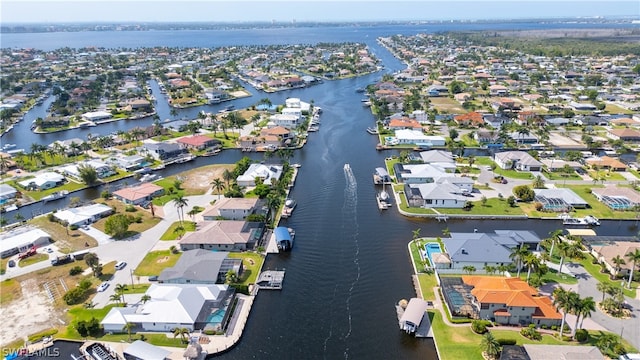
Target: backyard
156,261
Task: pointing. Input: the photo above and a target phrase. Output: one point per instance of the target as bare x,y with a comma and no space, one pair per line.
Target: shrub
209,332
504,342
51,218
530,332
582,335
538,205
480,326
75,270
619,349
130,208
75,296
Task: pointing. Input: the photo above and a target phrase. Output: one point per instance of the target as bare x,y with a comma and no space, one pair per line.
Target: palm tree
634,257
570,250
218,185
231,277
120,289
273,203
145,298
561,301
554,236
489,269
531,261
587,306
182,332
517,255
490,345
604,287
192,213
180,202
127,327
227,176
416,234
469,269
115,298
618,262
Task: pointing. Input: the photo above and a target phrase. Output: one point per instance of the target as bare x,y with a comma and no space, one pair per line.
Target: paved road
630,328
133,250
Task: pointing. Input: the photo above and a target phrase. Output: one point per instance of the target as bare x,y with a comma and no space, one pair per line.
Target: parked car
102,287
11,263
504,181
120,265
153,278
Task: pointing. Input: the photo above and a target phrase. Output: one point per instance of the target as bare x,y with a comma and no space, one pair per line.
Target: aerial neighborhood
170,263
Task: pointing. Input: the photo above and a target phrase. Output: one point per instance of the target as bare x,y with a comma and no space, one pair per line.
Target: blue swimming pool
432,248
216,317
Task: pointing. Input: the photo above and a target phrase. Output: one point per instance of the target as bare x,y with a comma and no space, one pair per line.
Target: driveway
629,328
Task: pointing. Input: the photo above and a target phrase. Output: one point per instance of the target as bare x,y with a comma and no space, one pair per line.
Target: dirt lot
33,313
199,180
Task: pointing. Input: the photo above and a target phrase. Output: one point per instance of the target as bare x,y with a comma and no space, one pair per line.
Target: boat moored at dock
284,238
287,210
55,196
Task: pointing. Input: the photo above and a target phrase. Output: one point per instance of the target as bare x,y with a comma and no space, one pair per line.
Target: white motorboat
55,196
287,210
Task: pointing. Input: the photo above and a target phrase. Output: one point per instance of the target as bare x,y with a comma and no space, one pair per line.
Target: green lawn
37,195
493,206
552,277
136,288
607,175
598,209
455,343
156,261
515,335
172,234
415,255
252,262
594,270
33,259
558,175
427,283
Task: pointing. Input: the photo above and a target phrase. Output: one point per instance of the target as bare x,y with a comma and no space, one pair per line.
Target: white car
102,287
120,265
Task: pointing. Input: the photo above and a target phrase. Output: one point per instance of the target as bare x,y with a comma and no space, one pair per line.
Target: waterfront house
264,172
606,162
626,134
434,195
171,306
518,160
288,121
102,169
7,192
224,235
137,195
606,251
617,198
422,173
406,136
96,115
485,137
511,301
404,123
164,151
21,239
200,266
43,181
199,142
559,199
129,162
284,135
440,158
482,249
232,209
83,215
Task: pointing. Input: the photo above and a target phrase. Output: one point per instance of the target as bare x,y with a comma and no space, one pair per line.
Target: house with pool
190,306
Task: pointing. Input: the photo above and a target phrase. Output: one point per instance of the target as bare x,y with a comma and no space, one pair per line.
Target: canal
349,265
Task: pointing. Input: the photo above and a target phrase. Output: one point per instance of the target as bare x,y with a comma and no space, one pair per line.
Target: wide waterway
349,264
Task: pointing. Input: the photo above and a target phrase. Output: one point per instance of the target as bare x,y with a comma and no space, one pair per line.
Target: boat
230,107
381,176
184,159
287,210
592,220
297,166
360,90
148,177
55,196
372,131
211,152
382,198
284,237
8,146
314,128
347,167
11,207
144,170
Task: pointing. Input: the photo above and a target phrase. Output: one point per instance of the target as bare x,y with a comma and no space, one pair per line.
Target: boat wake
350,221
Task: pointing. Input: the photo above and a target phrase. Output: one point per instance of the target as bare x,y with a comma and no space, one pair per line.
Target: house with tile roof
472,119
607,162
199,142
224,235
626,134
137,195
617,198
232,209
511,301
404,123
607,251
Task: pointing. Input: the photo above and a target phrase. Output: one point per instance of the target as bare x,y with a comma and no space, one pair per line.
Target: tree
88,174
568,250
117,225
273,204
92,260
469,269
453,134
218,185
490,345
192,213
120,289
416,234
517,255
607,342
561,301
531,261
538,182
489,269
524,192
618,262
115,298
231,277
227,176
182,332
587,306
145,298
634,257
180,202
127,327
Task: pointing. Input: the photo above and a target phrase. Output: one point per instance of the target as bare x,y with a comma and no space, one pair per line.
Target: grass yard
606,175
446,105
252,263
594,270
551,277
156,261
455,343
427,283
598,209
493,206
415,255
9,290
37,195
173,231
148,221
560,176
33,259
66,241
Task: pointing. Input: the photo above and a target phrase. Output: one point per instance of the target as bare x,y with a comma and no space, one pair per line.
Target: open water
349,265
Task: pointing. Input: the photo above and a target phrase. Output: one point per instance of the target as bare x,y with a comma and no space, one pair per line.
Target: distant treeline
555,46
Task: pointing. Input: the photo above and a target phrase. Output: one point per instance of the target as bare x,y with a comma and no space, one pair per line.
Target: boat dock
270,280
423,330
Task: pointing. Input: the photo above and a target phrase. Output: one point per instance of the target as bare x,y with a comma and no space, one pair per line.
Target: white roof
42,179
7,190
81,214
170,303
263,171
20,237
146,351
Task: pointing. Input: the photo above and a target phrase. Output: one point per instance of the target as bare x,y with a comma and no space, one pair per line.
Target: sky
56,11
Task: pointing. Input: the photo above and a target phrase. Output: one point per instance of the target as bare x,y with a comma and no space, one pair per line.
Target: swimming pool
216,317
432,248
